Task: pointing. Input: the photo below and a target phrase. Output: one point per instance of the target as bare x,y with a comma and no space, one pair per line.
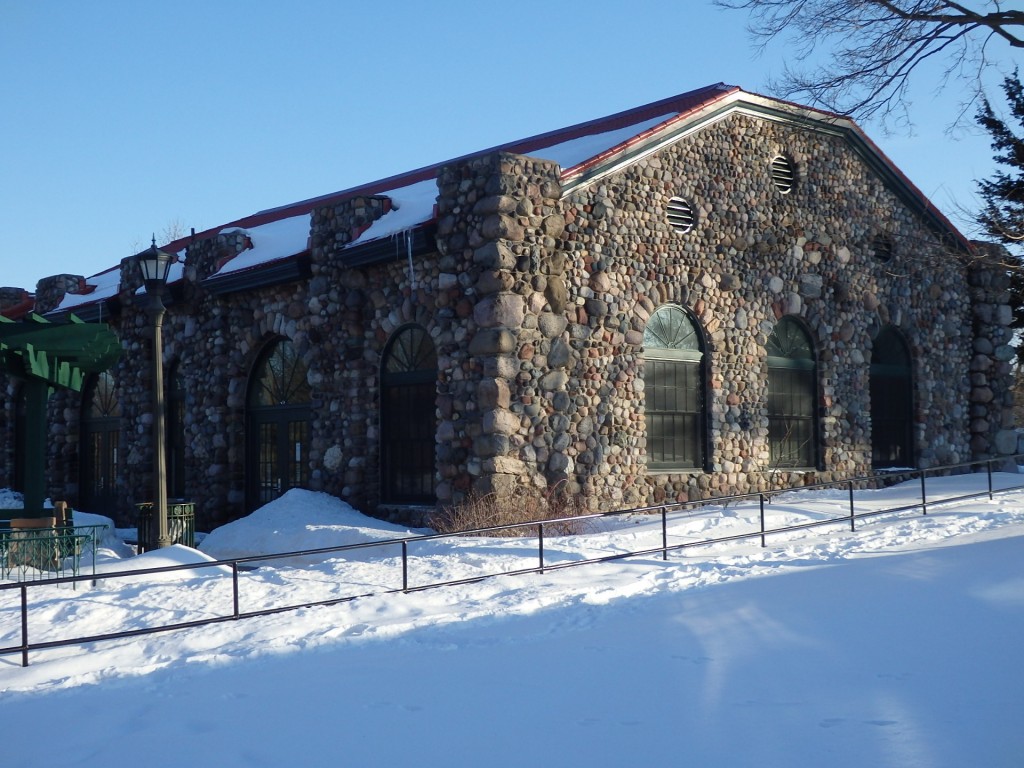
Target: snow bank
298,521
11,499
813,651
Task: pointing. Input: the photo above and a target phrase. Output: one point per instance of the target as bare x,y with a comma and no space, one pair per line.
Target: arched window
278,424
892,401
408,417
674,387
100,444
176,434
792,396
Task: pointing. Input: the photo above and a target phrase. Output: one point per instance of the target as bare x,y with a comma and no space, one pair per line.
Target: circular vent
680,215
882,247
783,174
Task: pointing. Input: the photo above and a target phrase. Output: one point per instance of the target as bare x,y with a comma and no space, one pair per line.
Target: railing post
24,624
405,566
540,545
989,465
761,500
664,534
234,586
924,497
853,526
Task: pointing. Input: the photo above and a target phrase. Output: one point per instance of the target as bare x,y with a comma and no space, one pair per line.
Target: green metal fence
44,553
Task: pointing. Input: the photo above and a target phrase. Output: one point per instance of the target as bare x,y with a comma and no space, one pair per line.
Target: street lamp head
155,266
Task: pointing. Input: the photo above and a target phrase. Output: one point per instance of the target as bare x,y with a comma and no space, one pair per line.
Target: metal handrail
235,564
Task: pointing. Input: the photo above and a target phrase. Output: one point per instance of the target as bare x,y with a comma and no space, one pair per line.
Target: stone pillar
348,311
50,291
991,398
499,221
206,257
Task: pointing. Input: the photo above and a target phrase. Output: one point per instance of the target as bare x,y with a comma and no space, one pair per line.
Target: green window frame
675,391
792,397
279,410
892,401
409,418
100,443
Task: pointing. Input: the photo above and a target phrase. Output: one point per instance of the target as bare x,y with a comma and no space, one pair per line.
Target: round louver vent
882,247
680,215
783,174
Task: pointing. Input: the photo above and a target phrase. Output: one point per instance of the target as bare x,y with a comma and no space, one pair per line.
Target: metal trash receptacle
181,524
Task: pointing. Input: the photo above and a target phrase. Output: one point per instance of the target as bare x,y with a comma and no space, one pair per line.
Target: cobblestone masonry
536,300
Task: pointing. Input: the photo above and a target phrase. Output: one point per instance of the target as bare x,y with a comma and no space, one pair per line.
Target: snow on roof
574,151
410,206
283,232
104,285
107,284
570,146
270,242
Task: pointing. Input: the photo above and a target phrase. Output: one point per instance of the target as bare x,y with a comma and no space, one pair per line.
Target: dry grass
511,512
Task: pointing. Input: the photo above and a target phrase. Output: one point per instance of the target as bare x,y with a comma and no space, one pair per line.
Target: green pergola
46,355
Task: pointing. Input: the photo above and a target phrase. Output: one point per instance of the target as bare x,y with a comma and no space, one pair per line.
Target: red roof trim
686,105
21,309
641,137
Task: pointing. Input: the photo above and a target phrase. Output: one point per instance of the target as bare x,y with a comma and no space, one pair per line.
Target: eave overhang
414,242
287,270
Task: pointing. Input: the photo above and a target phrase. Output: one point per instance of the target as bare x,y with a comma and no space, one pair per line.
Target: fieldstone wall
754,256
212,343
536,301
352,313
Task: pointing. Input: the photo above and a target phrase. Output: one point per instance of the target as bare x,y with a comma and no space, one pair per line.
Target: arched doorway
674,387
408,417
278,412
892,401
792,397
100,445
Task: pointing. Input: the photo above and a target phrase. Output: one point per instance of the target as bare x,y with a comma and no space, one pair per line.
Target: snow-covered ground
897,645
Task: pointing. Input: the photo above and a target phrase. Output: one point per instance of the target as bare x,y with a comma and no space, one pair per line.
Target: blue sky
123,118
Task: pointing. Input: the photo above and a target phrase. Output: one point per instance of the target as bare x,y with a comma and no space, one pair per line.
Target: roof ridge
680,102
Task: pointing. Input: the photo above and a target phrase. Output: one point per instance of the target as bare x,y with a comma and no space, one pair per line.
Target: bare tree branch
874,47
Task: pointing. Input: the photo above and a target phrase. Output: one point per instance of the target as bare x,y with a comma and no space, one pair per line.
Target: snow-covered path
896,646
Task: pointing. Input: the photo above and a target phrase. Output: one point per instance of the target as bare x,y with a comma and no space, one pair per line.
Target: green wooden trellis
46,355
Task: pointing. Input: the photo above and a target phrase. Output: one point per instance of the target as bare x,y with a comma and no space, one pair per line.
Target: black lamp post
155,266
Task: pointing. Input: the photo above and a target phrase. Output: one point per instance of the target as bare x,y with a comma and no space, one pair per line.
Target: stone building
715,293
